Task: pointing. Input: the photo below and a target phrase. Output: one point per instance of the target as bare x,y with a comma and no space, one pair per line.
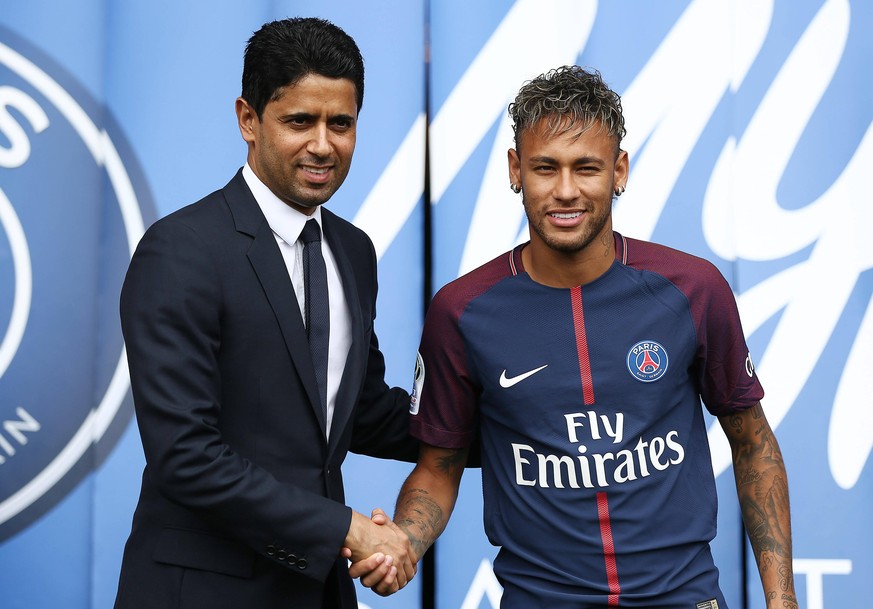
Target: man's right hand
380,553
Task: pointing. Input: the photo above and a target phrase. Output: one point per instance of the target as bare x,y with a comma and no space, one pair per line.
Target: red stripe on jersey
608,549
582,346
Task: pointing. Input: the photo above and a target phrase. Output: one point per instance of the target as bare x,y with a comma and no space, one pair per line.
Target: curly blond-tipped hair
569,98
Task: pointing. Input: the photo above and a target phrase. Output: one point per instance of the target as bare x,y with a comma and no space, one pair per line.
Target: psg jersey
597,479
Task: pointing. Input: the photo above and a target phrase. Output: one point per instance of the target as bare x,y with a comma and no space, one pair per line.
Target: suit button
292,560
281,554
271,550
302,563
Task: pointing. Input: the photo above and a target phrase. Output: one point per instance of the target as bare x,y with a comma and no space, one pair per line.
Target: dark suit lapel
267,261
357,358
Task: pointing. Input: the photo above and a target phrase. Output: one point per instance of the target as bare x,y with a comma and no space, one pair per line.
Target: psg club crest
647,361
72,203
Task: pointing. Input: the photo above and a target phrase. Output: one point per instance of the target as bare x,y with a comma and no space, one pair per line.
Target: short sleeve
444,399
725,372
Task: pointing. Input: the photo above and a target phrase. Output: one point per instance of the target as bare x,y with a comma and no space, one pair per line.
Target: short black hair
569,98
282,52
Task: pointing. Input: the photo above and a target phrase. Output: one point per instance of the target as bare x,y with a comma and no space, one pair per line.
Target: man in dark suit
244,433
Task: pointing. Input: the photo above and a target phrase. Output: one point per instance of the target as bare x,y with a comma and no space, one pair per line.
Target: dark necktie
317,305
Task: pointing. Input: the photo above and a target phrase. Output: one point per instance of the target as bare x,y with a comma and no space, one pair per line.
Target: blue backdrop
749,132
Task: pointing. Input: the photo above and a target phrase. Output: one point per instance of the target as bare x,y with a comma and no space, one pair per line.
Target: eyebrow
309,117
341,117
583,160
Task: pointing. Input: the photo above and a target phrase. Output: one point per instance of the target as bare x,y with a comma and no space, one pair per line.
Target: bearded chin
312,198
576,243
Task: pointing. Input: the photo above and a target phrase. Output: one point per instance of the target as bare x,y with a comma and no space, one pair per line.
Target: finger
367,565
384,577
387,587
346,553
405,572
408,562
379,516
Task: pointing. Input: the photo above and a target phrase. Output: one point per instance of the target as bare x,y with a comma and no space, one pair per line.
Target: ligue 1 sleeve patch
417,384
710,604
750,365
647,361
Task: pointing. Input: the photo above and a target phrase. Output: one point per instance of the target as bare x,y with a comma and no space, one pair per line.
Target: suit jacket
242,501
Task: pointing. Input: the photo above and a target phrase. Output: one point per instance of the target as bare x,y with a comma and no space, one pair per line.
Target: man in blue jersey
580,360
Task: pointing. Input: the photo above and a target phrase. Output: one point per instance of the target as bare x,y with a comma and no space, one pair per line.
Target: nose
566,188
319,144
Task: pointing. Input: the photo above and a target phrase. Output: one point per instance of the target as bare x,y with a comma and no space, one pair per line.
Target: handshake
381,553
385,554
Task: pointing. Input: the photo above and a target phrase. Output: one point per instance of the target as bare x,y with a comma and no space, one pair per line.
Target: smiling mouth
565,215
317,170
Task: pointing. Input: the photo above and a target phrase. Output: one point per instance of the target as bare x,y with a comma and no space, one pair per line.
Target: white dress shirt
287,224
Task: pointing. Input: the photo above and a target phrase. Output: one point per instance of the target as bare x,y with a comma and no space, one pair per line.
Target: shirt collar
284,220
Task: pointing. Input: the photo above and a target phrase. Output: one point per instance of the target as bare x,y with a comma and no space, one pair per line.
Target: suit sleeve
171,319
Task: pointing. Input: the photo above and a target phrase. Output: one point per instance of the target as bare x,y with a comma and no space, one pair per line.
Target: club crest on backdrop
72,202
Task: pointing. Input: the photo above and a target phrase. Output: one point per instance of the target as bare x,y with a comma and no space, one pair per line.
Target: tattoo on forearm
765,513
785,577
763,491
421,517
736,423
450,463
748,476
762,519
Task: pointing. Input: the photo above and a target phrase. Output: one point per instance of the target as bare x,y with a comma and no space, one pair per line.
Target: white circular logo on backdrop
70,218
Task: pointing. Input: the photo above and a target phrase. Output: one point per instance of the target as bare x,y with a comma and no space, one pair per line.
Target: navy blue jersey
597,478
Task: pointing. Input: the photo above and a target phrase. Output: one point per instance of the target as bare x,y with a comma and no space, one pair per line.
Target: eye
342,124
298,120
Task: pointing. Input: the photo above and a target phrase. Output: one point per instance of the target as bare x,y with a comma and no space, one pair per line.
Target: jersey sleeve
725,372
443,407
722,367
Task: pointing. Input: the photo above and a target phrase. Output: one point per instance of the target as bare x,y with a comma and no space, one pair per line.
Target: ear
514,166
247,119
619,175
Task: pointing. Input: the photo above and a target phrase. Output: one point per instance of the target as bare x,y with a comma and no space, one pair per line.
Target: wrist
417,545
783,600
355,534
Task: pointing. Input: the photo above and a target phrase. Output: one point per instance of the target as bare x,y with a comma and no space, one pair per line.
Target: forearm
762,489
421,516
766,517
427,499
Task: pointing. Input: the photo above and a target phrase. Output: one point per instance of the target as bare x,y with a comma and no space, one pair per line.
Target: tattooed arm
424,505
428,496
762,489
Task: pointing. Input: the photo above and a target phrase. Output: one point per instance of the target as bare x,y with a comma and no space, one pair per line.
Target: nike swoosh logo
506,383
